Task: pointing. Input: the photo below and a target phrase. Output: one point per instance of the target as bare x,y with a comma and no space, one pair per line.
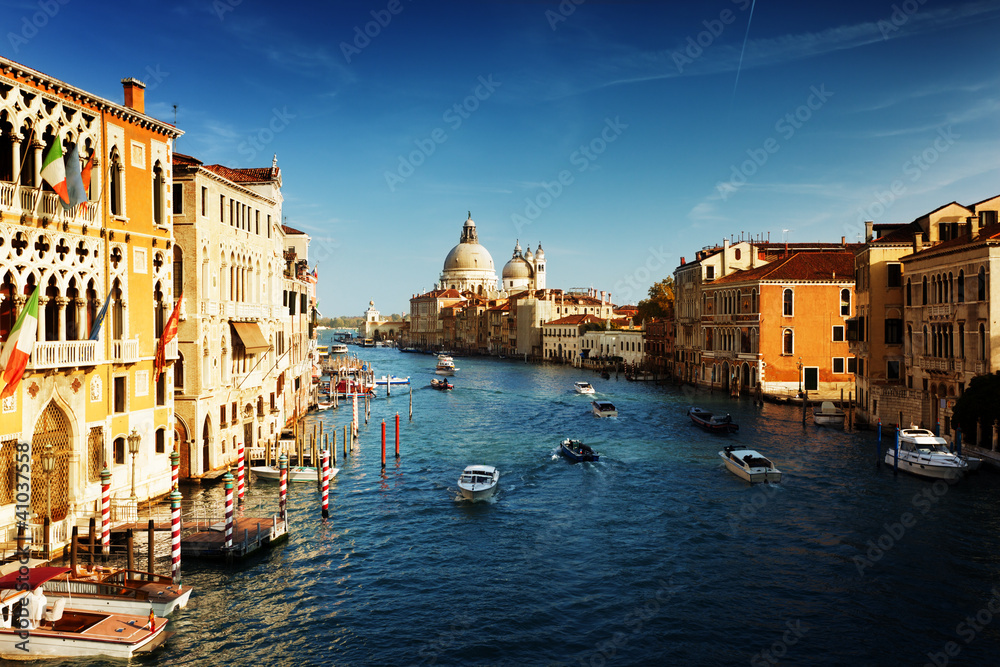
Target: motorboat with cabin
604,409
583,388
713,423
392,379
117,590
445,365
478,482
749,465
927,455
828,414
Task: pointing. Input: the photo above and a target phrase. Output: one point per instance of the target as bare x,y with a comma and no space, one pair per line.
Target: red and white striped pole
354,419
175,535
175,468
283,486
105,511
397,435
227,480
240,463
325,457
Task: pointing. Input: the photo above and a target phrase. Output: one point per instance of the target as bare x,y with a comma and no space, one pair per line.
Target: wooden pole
345,441
92,533
130,556
411,402
151,544
326,443
72,549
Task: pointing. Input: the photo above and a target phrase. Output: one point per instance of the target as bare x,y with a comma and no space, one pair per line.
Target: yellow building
83,404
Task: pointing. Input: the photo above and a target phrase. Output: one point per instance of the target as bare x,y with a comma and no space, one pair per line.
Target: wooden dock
249,535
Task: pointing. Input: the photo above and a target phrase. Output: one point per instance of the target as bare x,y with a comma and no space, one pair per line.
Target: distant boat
828,414
478,482
445,365
604,409
576,451
323,405
711,422
441,384
338,348
295,474
749,465
392,379
583,388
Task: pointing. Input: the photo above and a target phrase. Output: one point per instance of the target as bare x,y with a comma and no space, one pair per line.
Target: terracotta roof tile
813,266
256,175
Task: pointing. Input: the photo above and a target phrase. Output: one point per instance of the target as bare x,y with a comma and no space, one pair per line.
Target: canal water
654,555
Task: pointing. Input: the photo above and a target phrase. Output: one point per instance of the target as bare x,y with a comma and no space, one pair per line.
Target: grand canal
654,555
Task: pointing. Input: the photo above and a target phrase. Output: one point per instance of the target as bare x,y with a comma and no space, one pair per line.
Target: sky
622,135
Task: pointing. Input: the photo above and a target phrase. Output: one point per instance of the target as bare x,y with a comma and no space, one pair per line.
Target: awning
250,334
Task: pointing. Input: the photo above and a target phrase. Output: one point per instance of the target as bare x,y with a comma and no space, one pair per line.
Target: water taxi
749,465
478,482
927,455
711,422
583,388
604,409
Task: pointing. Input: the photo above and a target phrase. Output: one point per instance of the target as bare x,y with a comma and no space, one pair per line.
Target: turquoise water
654,555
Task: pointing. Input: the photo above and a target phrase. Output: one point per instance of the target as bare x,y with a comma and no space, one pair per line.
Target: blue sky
621,135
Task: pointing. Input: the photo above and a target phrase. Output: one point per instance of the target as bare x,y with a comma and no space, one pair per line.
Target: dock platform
250,535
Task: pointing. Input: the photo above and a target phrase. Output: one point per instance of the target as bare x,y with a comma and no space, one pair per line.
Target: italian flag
18,347
54,171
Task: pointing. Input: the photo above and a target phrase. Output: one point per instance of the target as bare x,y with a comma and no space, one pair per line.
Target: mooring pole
175,536
397,435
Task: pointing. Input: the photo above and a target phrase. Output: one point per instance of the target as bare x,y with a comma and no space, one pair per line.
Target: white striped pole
228,483
105,511
326,483
283,486
354,420
175,468
175,535
240,463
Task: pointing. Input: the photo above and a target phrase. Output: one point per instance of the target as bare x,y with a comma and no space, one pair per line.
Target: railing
7,195
58,354
171,351
25,199
939,310
125,351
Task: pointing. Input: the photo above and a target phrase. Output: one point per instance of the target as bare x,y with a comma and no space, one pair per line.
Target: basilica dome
518,268
469,266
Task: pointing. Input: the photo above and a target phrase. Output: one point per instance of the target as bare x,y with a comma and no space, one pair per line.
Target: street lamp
800,376
48,465
133,447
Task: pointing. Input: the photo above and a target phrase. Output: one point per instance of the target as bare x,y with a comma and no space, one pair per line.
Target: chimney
602,297
682,261
918,241
843,240
973,226
135,94
868,230
725,257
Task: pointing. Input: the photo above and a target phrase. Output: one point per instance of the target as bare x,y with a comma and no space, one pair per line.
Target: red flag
169,331
85,176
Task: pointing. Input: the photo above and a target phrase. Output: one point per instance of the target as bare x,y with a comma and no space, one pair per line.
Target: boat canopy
36,577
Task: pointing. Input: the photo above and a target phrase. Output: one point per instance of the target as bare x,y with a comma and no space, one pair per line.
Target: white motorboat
445,365
750,465
30,628
323,405
118,591
604,409
295,474
392,379
925,454
478,482
583,388
338,348
828,414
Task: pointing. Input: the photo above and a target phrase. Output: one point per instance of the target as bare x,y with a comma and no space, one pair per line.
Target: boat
750,465
350,386
366,342
445,365
927,455
828,414
118,591
441,384
712,422
604,409
583,388
63,631
478,482
295,473
323,405
338,348
392,379
576,451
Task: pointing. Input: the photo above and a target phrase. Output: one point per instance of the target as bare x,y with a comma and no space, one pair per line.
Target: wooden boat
441,384
925,454
576,451
478,482
323,405
118,591
295,474
604,409
28,631
749,465
711,422
828,414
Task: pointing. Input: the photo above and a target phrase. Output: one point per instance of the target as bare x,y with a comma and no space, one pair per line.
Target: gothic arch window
115,195
118,312
923,291
159,184
158,308
178,271
845,302
8,308
6,149
982,342
961,287
925,340
981,284
909,292
179,372
27,176
52,428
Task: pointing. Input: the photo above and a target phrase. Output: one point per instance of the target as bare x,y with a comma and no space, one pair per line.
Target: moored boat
750,465
118,591
478,482
576,451
828,414
338,348
392,379
295,473
927,455
583,388
604,409
712,422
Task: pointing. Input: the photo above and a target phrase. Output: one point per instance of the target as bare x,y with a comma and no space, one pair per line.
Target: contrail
743,50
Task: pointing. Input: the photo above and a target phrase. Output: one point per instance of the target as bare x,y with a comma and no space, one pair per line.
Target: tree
660,302
979,404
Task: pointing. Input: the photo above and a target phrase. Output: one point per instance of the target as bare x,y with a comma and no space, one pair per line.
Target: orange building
782,326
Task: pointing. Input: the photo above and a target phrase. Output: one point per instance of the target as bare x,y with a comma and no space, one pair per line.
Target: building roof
255,175
988,235
290,230
185,160
574,320
798,267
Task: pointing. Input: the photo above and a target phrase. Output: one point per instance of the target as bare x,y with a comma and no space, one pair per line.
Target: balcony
62,354
19,200
171,351
125,351
941,310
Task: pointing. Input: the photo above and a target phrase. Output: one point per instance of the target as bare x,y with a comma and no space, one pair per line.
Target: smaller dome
517,269
539,254
527,254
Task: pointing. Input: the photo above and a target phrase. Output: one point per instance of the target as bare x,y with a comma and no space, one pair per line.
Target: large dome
469,257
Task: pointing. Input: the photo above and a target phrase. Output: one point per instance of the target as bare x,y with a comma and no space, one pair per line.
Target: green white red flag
54,171
18,347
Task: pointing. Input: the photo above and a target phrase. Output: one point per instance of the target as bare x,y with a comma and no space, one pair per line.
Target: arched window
951,287
982,342
787,303
115,184
753,300
923,292
178,271
788,342
845,302
961,341
981,284
909,339
925,340
179,372
961,286
158,186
